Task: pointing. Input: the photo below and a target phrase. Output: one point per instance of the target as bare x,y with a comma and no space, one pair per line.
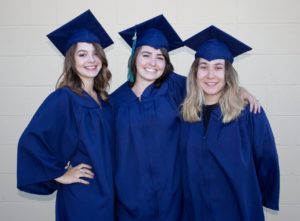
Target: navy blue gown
69,128
147,177
230,171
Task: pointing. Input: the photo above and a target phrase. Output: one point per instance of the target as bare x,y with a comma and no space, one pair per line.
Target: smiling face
150,64
211,79
87,61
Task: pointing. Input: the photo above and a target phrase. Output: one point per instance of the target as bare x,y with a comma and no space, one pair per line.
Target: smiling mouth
94,67
211,84
150,70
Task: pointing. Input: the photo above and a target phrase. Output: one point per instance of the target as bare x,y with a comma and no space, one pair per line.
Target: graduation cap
155,32
213,43
83,28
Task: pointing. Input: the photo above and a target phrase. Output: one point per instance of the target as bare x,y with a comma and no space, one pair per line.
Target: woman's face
211,79
87,62
150,64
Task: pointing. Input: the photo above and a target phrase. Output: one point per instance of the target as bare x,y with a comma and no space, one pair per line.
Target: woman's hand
74,174
254,103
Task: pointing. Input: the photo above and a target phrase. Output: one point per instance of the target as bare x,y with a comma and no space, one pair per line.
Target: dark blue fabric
231,171
69,127
147,175
156,32
83,28
213,43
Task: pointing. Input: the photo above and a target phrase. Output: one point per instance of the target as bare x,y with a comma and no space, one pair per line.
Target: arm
266,161
47,144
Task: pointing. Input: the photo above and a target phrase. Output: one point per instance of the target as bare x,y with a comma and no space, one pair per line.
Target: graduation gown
231,171
69,128
147,177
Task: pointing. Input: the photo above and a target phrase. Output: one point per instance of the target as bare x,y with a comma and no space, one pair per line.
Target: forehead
212,62
146,48
85,46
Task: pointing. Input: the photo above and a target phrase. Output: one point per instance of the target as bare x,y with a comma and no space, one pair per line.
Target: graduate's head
155,35
150,64
212,78
81,41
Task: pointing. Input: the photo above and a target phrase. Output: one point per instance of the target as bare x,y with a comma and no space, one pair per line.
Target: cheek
162,65
78,62
221,77
139,62
199,79
201,75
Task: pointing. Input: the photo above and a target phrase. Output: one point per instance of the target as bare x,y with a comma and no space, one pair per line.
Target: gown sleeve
47,144
177,87
266,161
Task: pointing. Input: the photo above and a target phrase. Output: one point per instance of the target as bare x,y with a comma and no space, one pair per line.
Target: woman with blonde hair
230,163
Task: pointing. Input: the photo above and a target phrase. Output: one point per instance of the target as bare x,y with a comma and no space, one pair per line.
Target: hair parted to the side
230,102
71,79
168,69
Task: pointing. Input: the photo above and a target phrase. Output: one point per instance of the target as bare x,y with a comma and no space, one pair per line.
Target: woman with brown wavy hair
67,145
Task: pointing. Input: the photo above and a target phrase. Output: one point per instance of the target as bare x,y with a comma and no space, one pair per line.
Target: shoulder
121,95
255,119
180,79
58,98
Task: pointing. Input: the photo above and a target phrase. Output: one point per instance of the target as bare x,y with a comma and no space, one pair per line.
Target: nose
91,58
153,61
210,73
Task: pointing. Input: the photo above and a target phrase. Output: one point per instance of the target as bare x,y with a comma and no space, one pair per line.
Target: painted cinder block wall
30,66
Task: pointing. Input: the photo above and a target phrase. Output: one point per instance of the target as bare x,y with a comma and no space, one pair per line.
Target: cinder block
268,11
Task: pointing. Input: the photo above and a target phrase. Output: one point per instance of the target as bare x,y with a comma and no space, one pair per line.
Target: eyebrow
83,50
205,62
148,52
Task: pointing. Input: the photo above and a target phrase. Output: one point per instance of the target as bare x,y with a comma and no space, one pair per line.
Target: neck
139,87
211,99
88,85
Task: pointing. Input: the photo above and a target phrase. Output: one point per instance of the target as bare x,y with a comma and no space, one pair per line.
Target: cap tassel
130,75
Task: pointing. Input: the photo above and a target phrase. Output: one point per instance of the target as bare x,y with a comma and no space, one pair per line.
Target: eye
145,55
161,58
202,67
81,54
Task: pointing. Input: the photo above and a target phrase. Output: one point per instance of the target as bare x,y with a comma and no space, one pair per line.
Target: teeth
91,67
211,84
150,70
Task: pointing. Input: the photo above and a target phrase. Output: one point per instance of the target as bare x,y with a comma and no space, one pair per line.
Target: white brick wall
30,66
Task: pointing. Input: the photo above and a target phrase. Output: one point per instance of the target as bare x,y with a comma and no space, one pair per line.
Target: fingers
83,181
251,106
86,173
83,165
256,106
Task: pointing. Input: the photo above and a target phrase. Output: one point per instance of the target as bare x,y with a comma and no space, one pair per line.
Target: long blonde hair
71,79
230,102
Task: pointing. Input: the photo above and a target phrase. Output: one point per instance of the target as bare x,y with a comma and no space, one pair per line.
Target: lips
211,84
150,70
91,67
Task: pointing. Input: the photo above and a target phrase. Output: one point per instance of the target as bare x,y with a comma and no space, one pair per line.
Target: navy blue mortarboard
83,28
155,32
213,43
